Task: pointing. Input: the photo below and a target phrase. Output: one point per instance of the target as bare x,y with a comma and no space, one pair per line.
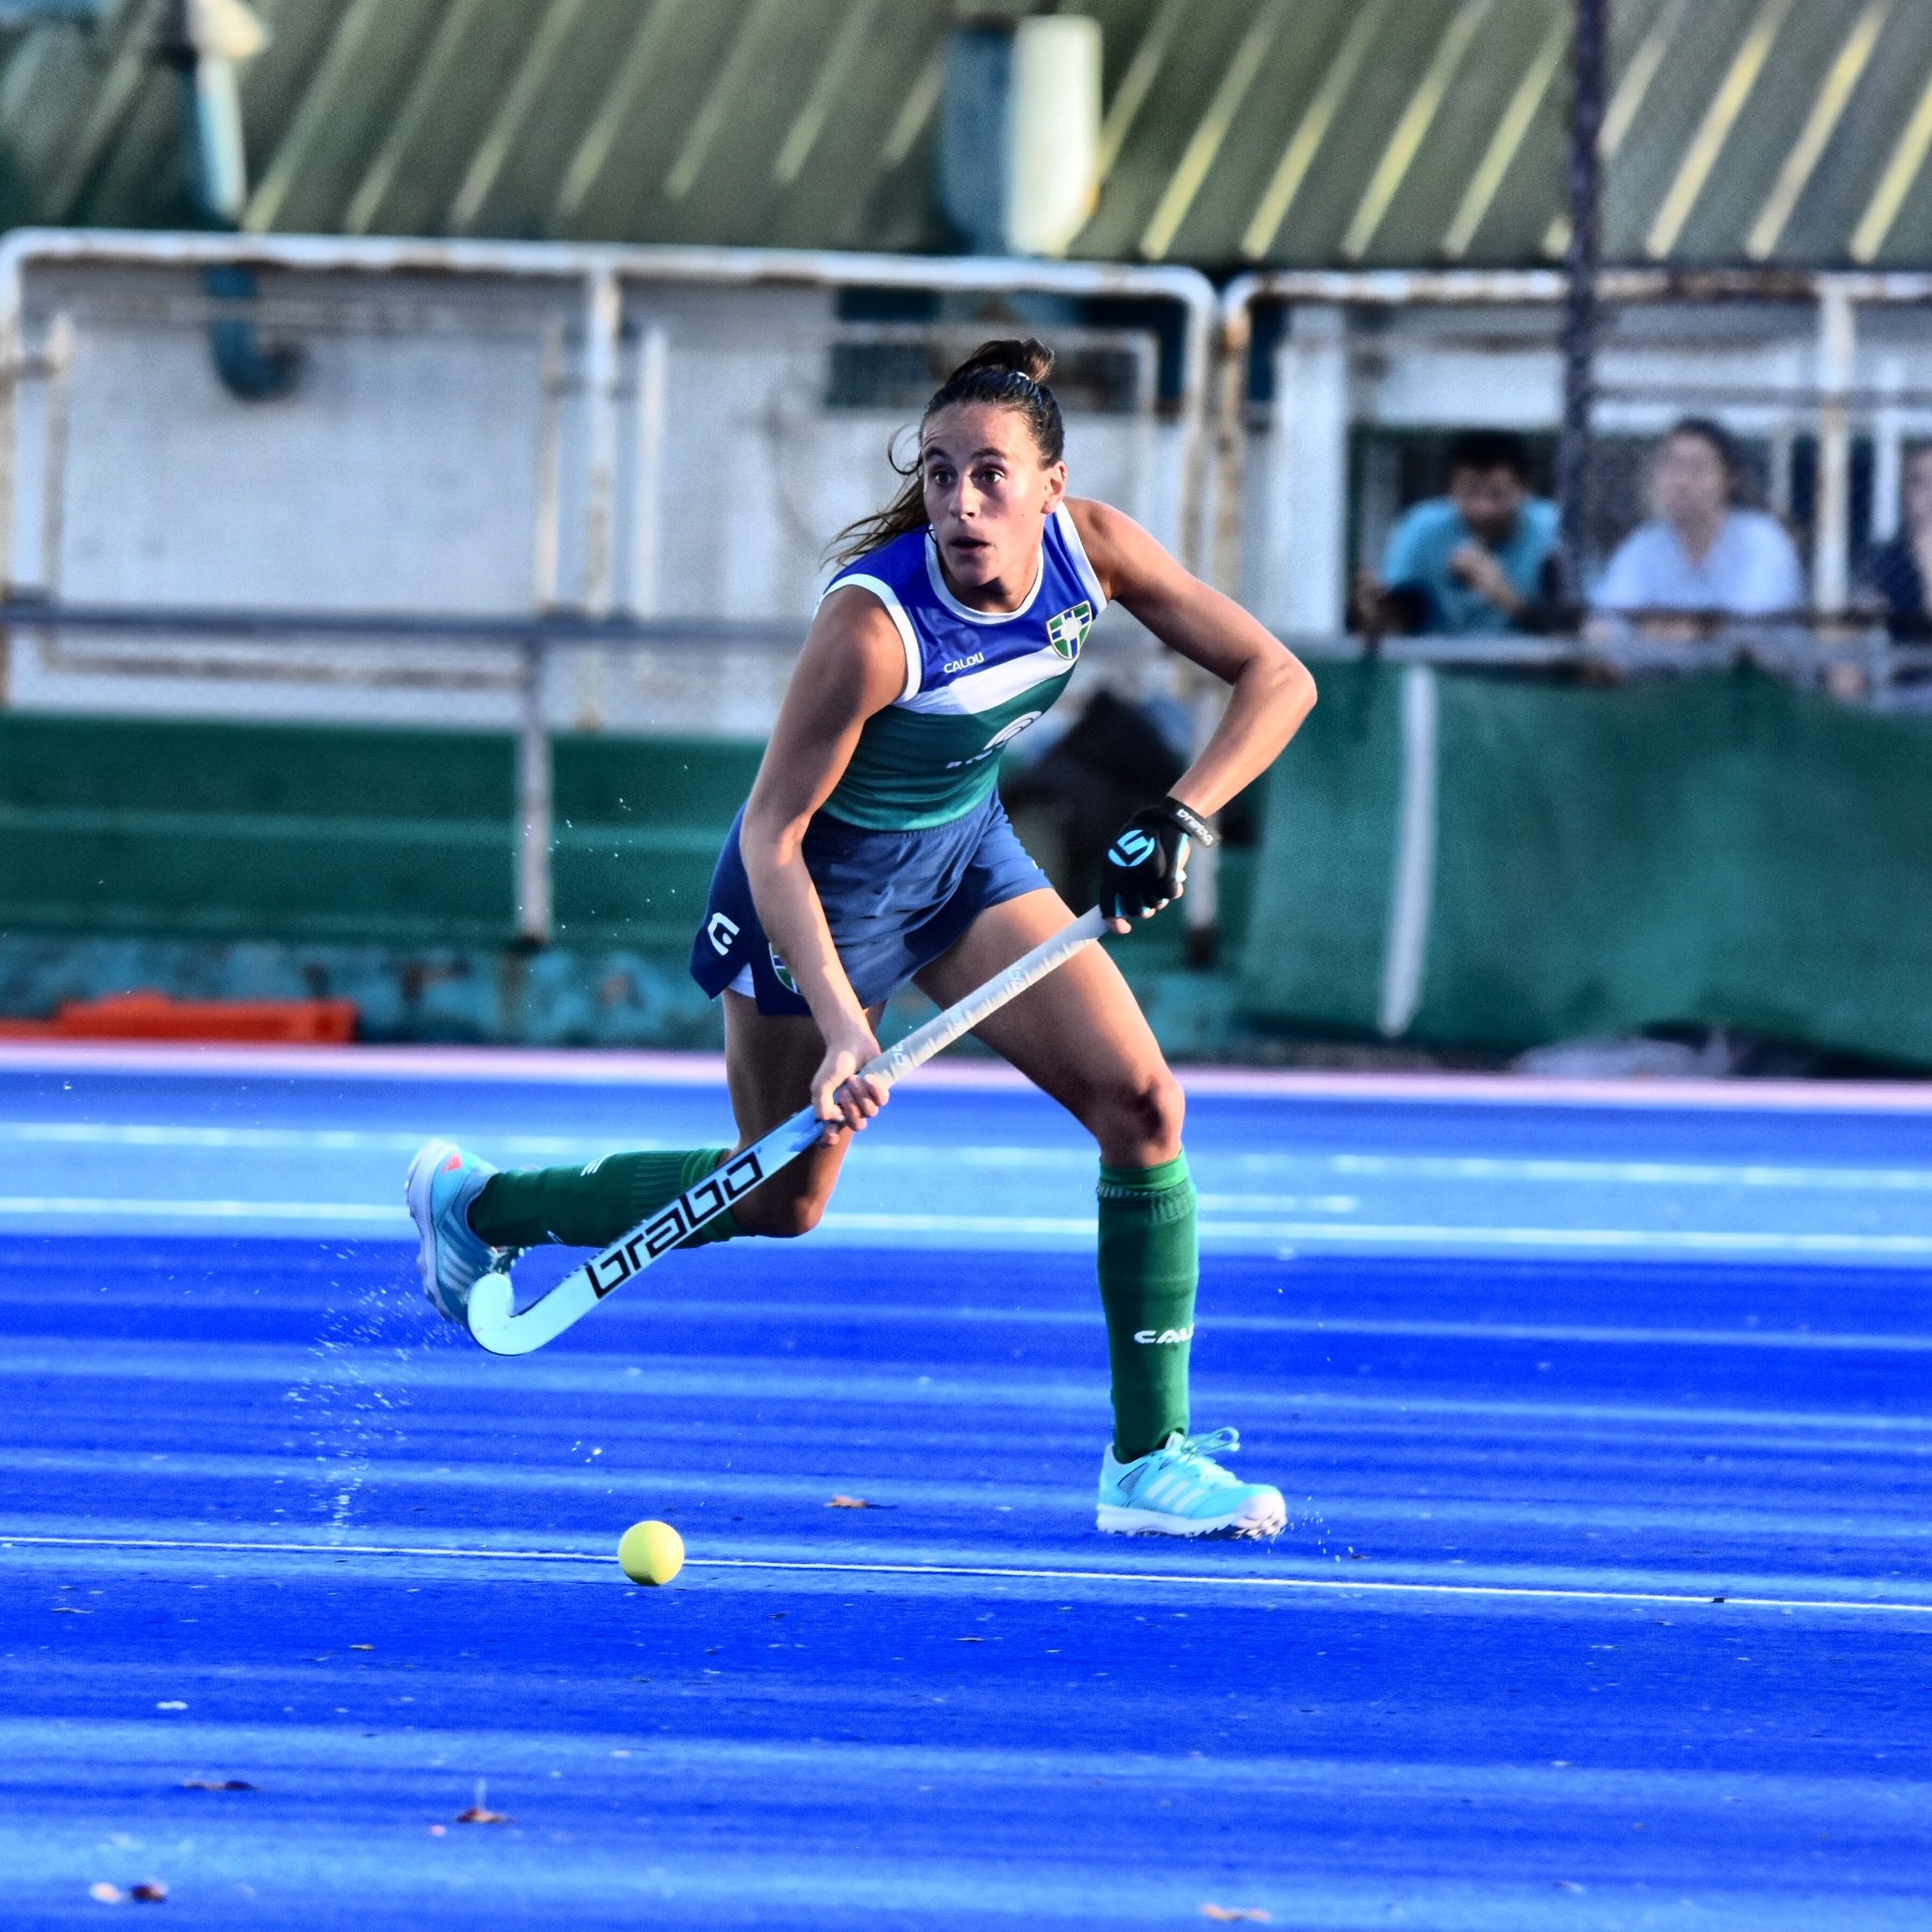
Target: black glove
1147,863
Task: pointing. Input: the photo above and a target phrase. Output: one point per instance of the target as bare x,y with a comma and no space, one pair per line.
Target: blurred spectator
1897,573
1704,555
1480,560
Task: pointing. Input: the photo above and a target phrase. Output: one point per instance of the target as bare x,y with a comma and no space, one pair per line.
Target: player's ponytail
1009,374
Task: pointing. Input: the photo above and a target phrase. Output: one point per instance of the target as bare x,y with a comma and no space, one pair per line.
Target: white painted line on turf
1346,1234
1635,1240
175,1208
306,1140
821,1313
1664,1174
1392,1167
994,1228
1338,1585
583,1066
1018,1573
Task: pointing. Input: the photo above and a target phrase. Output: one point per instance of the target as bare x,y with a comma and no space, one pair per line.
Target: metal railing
602,275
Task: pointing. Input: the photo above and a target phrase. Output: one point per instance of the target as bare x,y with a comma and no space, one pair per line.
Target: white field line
737,1311
1300,1166
1656,1241
608,1066
1435,1235
808,1315
1005,1572
176,1207
1023,1227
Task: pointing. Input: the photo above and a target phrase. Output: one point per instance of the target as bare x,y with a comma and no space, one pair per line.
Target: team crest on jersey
1067,632
783,971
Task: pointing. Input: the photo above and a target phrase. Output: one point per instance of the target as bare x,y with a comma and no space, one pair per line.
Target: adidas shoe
443,1180
1180,1489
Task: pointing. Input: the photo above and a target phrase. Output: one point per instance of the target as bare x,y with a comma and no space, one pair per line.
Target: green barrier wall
1723,850
305,833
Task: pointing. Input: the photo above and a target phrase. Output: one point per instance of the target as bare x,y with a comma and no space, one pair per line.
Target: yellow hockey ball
650,1553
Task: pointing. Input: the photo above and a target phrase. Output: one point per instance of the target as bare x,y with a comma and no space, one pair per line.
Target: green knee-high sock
591,1207
1149,1266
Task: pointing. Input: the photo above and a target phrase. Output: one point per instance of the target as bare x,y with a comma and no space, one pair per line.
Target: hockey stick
491,1310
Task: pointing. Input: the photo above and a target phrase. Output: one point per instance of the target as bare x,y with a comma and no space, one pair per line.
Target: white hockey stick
491,1311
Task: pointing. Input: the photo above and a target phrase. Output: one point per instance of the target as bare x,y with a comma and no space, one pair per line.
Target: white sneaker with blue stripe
1180,1489
443,1180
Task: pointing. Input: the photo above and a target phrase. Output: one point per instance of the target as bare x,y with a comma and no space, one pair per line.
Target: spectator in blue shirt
1481,560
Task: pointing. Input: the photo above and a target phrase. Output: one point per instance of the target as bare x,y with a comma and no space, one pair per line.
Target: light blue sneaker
1180,1489
443,1180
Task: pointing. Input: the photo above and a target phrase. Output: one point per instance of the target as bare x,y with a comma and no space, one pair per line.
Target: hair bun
1033,359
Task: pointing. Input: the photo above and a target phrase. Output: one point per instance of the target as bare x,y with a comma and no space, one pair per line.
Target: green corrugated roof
1293,132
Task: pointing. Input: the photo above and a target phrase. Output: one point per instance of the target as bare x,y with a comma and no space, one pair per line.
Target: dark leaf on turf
150,1892
482,1814
218,1784
852,1502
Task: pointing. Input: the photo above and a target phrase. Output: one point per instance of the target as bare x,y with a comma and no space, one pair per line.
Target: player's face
988,495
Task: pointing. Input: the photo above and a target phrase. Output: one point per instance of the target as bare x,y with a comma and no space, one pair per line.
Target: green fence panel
638,823
1319,902
1724,850
246,830
115,825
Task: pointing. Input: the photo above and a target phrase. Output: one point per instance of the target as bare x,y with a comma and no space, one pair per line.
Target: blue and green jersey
975,680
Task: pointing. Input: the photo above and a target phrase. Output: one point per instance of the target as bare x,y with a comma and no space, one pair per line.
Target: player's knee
1144,1115
784,1220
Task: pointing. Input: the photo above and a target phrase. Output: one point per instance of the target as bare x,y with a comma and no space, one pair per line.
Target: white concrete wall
405,472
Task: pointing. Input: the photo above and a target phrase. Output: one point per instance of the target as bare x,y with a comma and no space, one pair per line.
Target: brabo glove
1147,863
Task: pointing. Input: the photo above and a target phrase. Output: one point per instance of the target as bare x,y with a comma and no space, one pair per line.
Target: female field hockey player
874,851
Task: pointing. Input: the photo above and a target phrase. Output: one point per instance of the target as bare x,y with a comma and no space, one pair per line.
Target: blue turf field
1540,1377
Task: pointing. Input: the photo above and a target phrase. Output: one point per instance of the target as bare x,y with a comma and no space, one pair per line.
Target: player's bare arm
852,665
1271,690
1271,694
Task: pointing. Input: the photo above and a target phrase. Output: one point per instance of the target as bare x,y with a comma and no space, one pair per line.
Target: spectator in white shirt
1704,555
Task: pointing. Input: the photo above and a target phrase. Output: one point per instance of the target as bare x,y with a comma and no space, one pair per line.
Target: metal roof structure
1238,133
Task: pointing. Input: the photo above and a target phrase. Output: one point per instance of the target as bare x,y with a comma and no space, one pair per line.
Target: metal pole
1196,401
603,319
1887,439
603,316
54,464
1580,294
1201,904
548,541
12,372
534,806
1831,537
647,514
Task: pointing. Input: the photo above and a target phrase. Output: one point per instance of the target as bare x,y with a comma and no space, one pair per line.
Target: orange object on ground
149,1015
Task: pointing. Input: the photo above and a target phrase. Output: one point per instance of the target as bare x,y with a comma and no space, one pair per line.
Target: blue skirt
895,901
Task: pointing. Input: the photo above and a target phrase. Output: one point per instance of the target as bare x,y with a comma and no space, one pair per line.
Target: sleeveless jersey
975,680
